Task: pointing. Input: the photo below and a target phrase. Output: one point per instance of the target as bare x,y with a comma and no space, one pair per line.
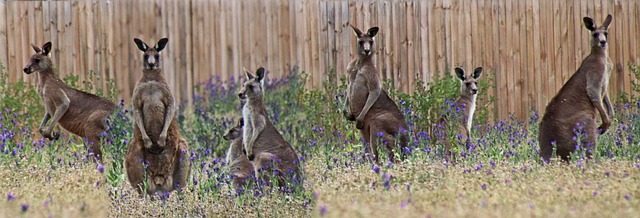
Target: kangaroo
81,113
260,138
466,104
239,164
157,148
580,100
376,112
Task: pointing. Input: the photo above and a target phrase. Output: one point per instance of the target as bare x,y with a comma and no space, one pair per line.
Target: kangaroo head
365,40
39,61
252,88
469,83
599,33
151,57
235,132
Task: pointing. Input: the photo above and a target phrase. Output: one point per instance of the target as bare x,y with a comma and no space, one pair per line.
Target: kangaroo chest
152,99
359,92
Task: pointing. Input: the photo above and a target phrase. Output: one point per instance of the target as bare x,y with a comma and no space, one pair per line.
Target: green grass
498,175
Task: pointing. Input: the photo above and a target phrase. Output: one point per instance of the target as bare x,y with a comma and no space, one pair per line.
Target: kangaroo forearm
603,114
60,110
140,124
608,106
168,118
45,119
371,99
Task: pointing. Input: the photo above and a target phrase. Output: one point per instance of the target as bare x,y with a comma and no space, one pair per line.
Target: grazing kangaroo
376,112
580,100
157,148
260,138
78,112
466,104
239,164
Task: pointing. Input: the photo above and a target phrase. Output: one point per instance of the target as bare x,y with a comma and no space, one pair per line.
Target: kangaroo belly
153,114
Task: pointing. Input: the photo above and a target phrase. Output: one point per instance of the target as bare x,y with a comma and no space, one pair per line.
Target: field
498,175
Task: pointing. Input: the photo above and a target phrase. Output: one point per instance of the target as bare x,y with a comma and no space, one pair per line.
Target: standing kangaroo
157,149
580,100
78,112
461,123
376,112
261,140
239,164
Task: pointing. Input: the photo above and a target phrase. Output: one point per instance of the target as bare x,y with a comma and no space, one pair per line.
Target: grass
498,175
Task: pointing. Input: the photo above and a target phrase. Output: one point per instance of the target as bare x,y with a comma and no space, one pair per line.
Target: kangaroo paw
603,128
348,116
359,124
147,144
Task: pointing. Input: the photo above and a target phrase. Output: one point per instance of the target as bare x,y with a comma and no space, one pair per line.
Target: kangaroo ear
260,73
477,73
357,31
373,31
460,73
46,48
249,75
607,21
589,24
36,48
161,44
141,45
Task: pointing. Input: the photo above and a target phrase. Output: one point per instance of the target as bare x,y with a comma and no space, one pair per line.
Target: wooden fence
531,47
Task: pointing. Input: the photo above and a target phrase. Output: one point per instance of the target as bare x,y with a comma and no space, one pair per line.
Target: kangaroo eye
37,61
595,35
606,34
145,56
157,57
361,42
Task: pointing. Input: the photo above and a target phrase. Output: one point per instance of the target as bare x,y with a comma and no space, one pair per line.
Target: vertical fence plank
531,47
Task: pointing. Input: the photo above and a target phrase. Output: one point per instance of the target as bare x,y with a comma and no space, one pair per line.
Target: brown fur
375,111
157,141
78,112
239,164
461,123
260,137
580,100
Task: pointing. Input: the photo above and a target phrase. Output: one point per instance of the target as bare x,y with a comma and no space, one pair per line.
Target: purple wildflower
323,210
24,207
376,169
100,168
11,197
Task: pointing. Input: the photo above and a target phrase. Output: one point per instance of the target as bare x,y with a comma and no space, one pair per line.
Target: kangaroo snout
26,70
603,43
241,95
474,91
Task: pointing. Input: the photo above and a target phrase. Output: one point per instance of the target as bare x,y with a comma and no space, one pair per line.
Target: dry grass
607,189
435,190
